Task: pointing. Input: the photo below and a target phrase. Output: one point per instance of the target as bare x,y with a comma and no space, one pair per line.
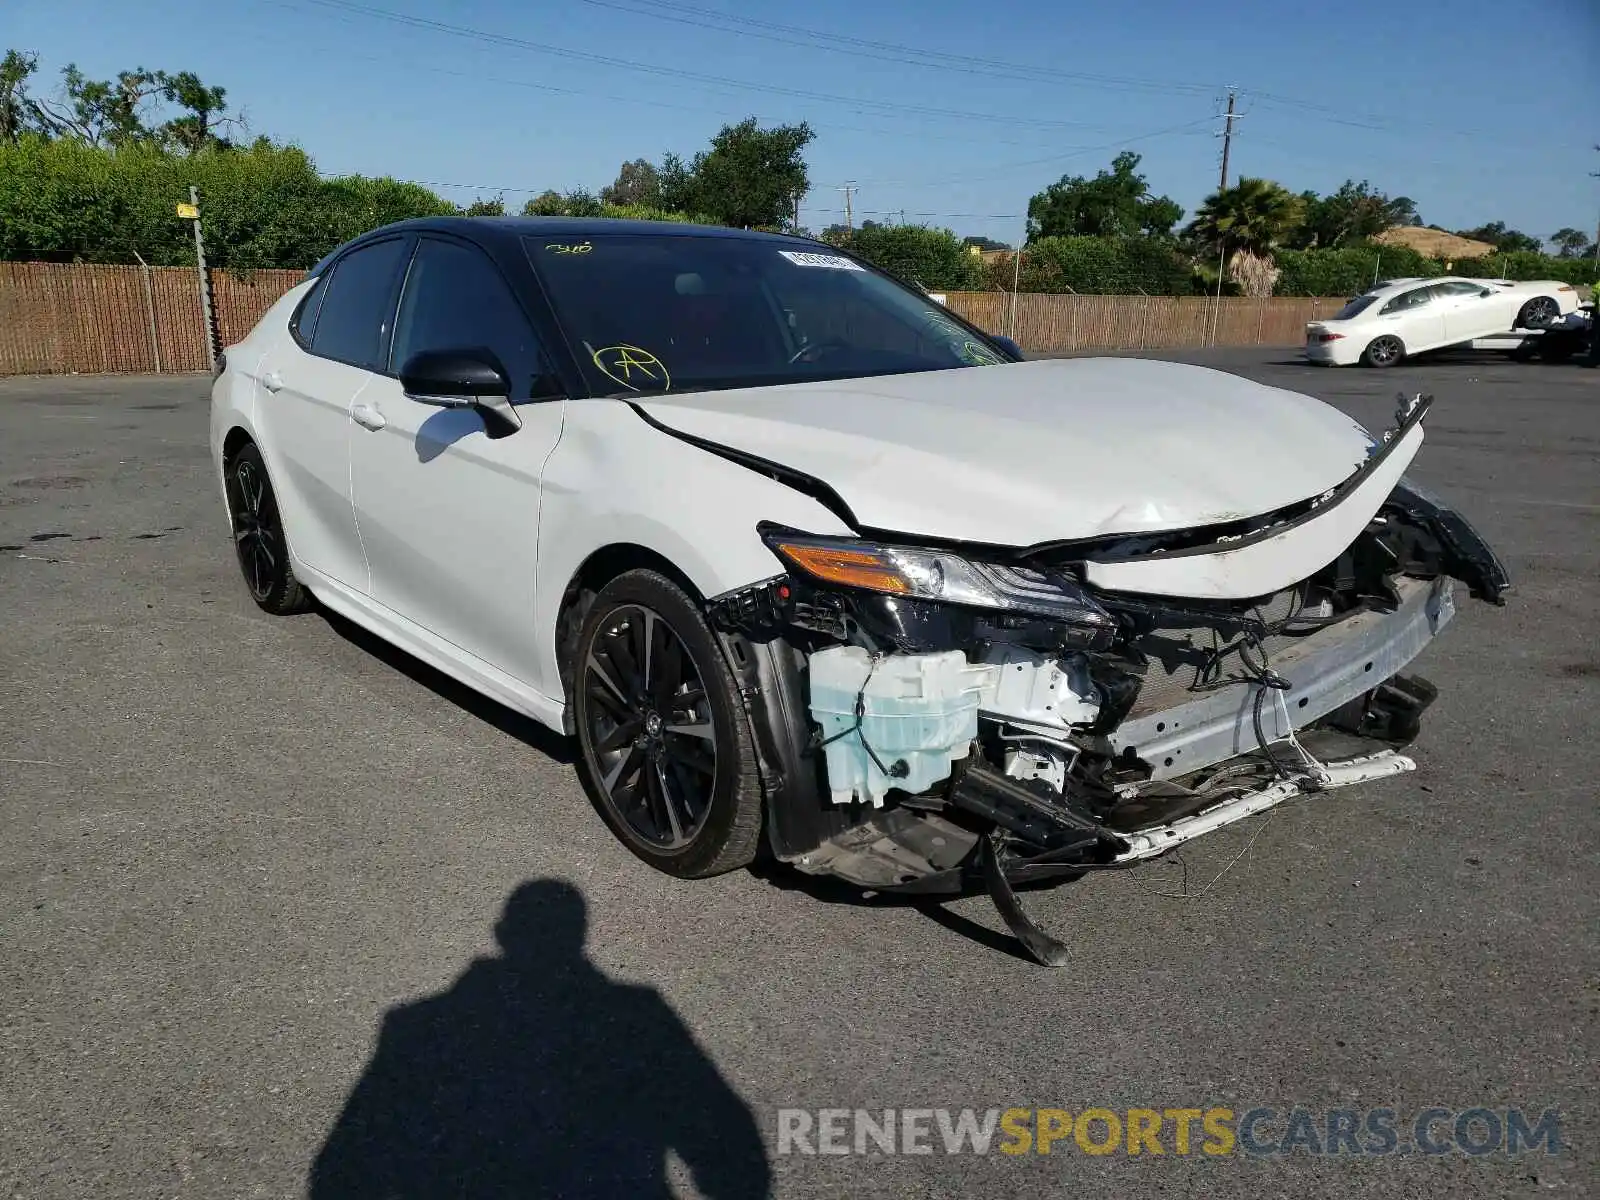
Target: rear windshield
655,313
1359,305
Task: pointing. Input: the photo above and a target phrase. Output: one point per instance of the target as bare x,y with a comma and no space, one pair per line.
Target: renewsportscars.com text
1217,1132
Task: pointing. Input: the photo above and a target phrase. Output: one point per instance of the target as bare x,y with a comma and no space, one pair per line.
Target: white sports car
813,569
1409,316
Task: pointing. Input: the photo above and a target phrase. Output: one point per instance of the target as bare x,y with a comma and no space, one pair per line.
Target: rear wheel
258,536
666,749
1383,351
1538,313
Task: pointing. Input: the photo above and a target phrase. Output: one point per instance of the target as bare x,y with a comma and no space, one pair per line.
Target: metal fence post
150,312
206,310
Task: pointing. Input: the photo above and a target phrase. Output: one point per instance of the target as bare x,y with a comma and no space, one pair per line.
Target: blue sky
1476,114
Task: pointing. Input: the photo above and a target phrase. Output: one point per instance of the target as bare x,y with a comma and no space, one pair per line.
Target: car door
1470,310
449,516
1415,317
309,381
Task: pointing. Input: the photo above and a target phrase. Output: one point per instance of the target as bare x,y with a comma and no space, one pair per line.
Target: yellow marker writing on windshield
632,367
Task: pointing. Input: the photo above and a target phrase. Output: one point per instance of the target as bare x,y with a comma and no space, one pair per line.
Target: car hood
1038,451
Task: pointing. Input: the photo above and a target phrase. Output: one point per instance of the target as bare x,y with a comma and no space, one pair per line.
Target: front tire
258,538
665,747
1384,351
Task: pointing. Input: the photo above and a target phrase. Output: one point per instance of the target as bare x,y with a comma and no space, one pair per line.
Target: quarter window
358,307
304,324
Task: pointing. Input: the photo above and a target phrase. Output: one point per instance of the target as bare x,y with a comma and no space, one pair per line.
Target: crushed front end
937,718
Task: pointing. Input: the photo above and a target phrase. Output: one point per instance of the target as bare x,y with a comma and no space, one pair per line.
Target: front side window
659,312
455,299
357,308
1457,287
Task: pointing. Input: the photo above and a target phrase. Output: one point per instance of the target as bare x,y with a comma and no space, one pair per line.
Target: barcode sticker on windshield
832,261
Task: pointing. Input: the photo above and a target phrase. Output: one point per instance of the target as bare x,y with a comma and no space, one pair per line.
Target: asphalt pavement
236,848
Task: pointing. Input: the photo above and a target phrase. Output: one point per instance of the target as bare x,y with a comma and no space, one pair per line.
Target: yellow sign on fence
189,212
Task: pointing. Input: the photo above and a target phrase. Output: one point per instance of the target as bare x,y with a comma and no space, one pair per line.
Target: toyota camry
811,568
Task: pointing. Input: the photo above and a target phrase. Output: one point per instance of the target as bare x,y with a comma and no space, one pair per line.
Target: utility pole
849,189
1596,175
797,212
191,210
1227,138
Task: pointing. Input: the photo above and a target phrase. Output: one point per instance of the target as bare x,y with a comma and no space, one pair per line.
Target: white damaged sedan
1404,317
811,568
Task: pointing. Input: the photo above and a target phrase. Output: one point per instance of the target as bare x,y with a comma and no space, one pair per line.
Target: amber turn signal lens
848,568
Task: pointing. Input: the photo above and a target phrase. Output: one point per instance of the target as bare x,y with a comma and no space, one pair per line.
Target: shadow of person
535,1075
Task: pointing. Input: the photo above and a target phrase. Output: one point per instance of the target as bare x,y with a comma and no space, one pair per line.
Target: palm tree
1254,215
1246,222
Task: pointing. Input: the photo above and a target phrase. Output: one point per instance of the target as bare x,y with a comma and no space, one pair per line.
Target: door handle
272,381
367,417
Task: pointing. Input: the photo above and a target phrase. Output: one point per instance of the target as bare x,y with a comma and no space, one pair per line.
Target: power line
499,39
816,39
475,77
1074,152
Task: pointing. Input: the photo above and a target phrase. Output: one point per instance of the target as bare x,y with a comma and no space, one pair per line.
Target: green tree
1503,239
933,259
637,182
19,113
1570,242
1115,203
1255,215
1355,212
580,203
749,177
486,208
202,119
546,204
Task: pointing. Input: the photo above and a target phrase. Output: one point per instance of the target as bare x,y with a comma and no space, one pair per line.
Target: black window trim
409,241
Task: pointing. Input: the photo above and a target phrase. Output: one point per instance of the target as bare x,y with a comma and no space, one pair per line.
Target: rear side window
1405,301
358,306
1355,308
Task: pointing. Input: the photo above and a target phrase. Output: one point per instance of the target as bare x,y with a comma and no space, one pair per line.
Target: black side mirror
1007,345
470,378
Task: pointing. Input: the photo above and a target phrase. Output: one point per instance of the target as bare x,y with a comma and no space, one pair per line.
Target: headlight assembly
938,575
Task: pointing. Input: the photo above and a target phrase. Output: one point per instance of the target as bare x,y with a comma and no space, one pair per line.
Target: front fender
613,479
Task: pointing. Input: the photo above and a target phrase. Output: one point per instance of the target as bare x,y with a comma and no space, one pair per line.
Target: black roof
503,229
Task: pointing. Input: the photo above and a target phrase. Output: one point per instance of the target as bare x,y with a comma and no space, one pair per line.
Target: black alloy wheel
665,751
1383,351
258,535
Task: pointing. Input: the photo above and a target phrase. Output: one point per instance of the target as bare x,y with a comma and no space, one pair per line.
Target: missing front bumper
1324,674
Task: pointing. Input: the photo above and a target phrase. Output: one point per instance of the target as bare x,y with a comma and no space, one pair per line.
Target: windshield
667,312
1359,305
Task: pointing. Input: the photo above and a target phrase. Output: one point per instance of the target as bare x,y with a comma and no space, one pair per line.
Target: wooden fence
1051,323
60,318
66,318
